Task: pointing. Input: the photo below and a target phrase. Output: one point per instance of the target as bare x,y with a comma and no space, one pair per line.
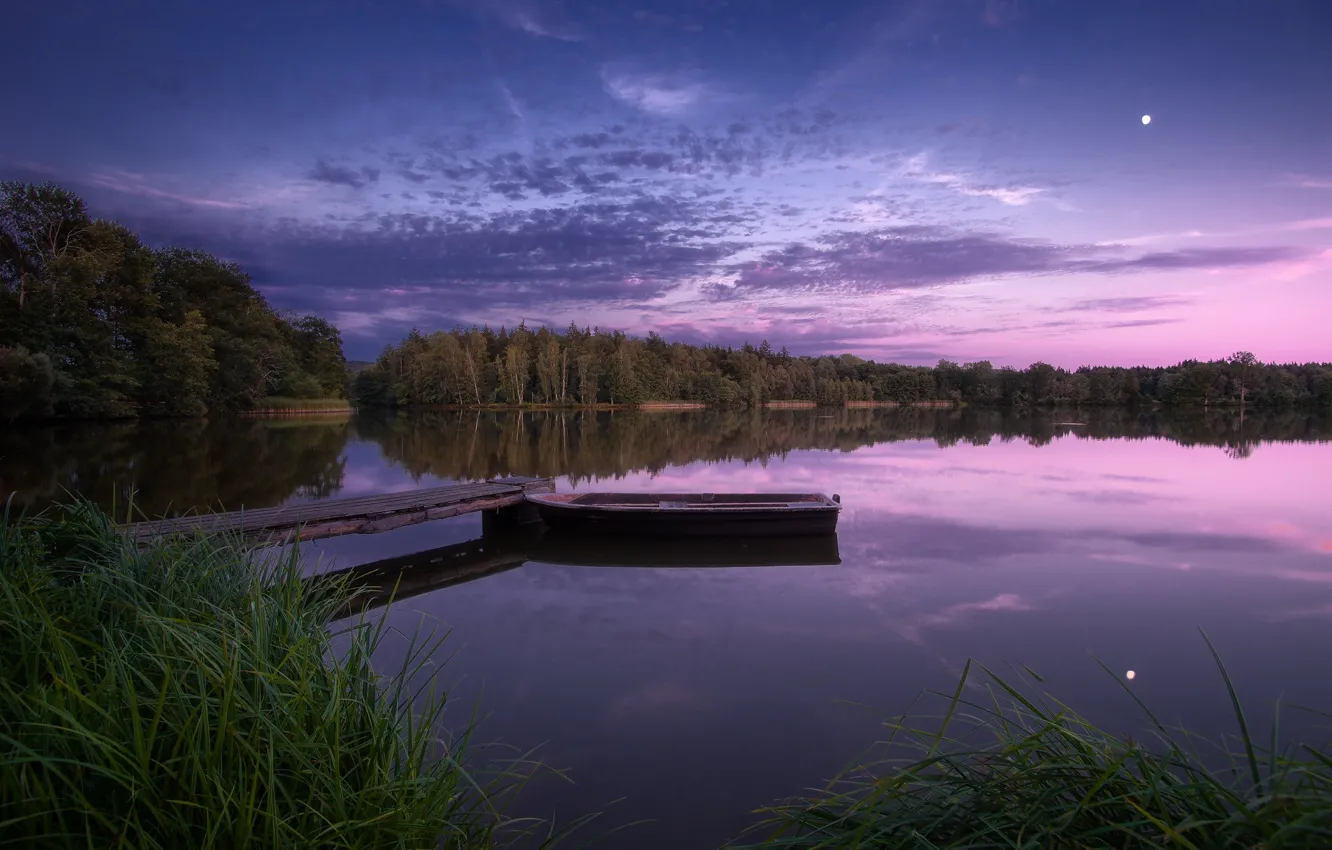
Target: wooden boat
691,514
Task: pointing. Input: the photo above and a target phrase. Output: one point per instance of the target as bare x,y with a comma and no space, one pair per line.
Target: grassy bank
186,696
279,405
1001,768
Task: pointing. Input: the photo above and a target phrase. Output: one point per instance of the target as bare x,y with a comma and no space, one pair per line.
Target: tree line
94,324
585,366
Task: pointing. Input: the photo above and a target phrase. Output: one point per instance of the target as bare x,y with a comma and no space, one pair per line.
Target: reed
189,695
1014,769
280,403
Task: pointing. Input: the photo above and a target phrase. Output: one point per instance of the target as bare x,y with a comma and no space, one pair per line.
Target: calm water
698,694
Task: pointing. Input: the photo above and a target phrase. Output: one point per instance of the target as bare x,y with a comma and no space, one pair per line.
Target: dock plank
356,515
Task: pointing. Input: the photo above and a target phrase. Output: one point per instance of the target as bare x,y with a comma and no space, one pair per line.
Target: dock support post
522,516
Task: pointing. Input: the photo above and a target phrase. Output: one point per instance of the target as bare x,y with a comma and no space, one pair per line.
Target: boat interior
689,500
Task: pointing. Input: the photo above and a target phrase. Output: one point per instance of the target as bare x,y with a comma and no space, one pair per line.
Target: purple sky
906,180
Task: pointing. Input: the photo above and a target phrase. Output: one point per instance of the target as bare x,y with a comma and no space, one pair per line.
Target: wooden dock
376,584
359,515
506,547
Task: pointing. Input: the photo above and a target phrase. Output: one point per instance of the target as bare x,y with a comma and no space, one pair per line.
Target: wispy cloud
1143,323
1324,223
131,183
1307,182
515,108
529,22
339,175
658,94
1310,224
535,17
1127,304
917,257
917,168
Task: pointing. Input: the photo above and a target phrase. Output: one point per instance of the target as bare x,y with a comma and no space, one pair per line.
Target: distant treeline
585,367
94,324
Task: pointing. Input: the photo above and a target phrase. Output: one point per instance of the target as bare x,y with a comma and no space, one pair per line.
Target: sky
907,180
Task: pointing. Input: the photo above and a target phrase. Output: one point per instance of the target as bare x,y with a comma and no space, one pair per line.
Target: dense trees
174,466
95,324
476,366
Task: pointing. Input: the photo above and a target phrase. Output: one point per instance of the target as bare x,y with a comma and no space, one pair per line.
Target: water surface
699,693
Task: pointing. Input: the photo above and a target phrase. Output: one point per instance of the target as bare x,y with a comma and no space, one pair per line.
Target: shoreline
303,411
649,407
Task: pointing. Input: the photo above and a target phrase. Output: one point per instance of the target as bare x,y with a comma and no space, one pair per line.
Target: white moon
1130,674
1146,119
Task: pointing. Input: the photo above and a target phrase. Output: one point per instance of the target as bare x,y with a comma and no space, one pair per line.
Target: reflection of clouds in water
1313,576
1005,602
1297,537
656,698
940,548
909,626
378,479
368,472
1122,497
869,583
1282,529
895,540
887,559
1165,490
1314,612
1137,479
1137,560
1198,541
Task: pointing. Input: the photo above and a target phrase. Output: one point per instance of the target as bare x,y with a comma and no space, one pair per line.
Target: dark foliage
94,324
477,366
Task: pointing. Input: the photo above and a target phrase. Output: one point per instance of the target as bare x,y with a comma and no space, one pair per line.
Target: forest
96,325
586,367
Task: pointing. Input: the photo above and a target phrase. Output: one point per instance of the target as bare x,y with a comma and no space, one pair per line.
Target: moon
1130,674
1146,119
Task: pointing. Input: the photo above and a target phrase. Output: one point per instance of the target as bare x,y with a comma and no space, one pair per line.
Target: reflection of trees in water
175,465
183,464
1238,432
586,445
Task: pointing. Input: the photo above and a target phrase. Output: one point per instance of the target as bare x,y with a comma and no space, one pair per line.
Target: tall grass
281,403
1013,770
187,695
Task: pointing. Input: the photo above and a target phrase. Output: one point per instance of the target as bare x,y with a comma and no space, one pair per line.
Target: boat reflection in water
582,550
379,582
690,514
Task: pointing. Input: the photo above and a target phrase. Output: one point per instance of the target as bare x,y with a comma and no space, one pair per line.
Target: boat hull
752,520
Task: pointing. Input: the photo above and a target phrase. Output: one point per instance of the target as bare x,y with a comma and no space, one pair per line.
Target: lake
693,695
